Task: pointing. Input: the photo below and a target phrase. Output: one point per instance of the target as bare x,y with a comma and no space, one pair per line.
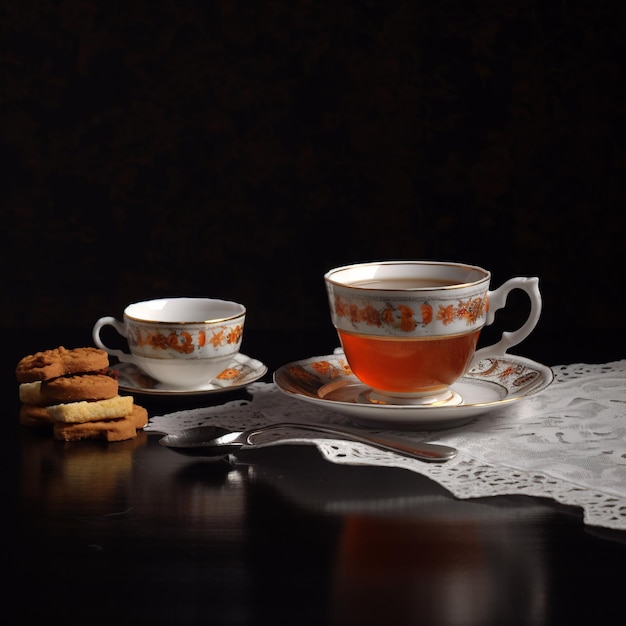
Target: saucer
494,382
241,371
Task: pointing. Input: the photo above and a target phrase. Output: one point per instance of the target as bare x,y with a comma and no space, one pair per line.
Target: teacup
409,329
181,342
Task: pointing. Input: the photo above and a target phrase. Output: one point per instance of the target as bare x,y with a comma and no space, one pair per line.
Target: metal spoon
218,442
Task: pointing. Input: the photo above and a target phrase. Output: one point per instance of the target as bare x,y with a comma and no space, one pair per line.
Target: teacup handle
120,327
497,300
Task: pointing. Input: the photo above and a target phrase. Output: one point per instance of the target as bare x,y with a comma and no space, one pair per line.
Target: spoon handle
421,450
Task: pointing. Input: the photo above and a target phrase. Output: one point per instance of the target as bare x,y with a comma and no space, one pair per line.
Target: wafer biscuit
80,412
30,393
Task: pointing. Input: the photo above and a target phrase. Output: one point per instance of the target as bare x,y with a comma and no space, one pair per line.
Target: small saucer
494,382
242,371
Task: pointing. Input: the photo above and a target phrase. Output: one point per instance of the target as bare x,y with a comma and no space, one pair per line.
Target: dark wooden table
133,532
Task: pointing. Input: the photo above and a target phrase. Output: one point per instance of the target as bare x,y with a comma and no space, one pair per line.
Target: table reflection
399,570
366,545
77,478
404,550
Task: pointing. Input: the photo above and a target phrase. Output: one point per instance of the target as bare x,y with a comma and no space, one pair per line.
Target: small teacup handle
120,327
497,300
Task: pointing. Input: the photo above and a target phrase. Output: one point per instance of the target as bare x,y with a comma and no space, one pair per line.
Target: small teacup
409,329
181,342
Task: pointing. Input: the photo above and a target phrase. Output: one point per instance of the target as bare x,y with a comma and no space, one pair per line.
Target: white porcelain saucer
494,382
242,371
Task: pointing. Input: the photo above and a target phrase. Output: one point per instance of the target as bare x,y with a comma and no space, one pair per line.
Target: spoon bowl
218,442
208,441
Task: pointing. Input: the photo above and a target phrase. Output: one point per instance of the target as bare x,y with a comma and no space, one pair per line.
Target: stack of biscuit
76,393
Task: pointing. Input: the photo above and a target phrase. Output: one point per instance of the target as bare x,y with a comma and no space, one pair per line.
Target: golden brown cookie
118,429
139,416
35,416
77,388
78,412
60,362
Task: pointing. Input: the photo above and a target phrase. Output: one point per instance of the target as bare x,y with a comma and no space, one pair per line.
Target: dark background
241,149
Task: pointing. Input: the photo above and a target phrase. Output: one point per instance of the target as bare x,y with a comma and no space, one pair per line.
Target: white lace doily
567,443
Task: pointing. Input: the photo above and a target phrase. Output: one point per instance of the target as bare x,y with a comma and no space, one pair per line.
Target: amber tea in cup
409,329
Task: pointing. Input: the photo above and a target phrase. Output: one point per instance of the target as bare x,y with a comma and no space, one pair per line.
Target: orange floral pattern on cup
403,317
182,342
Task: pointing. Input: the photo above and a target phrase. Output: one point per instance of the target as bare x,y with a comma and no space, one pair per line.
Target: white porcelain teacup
409,329
181,342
